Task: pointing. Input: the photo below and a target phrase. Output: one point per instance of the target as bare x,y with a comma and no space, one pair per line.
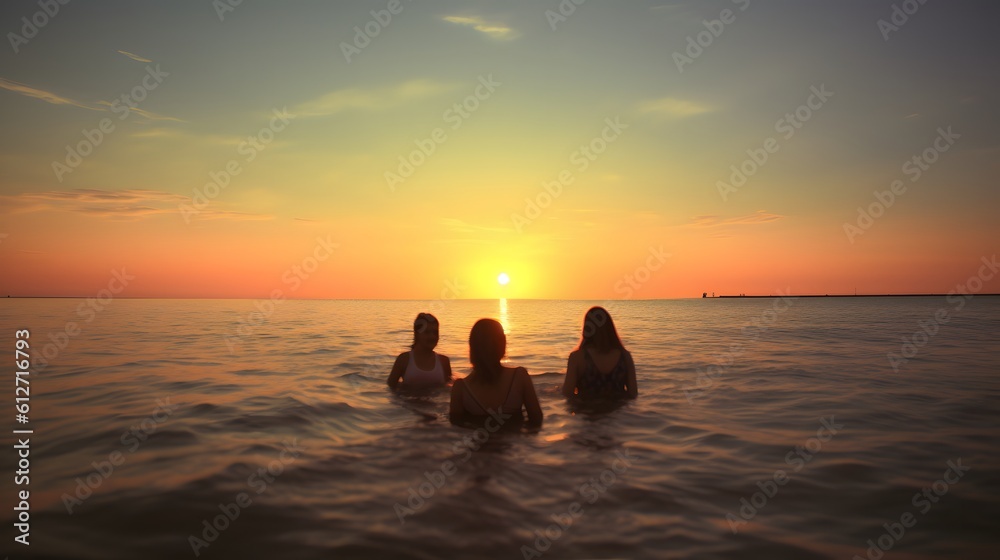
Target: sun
503,279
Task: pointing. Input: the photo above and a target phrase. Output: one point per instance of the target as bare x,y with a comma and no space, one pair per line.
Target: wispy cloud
492,29
124,204
149,115
157,132
56,99
153,116
188,137
674,108
370,99
758,217
47,96
135,57
230,215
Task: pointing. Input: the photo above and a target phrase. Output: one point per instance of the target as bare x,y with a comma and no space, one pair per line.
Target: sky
416,150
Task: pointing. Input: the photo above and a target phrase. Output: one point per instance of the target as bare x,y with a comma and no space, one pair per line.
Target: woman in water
493,392
600,366
421,366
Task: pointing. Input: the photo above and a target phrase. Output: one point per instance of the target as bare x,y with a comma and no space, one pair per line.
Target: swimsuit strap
510,389
506,399
473,395
621,356
513,379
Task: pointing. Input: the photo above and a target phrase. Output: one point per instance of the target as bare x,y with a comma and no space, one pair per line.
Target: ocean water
764,428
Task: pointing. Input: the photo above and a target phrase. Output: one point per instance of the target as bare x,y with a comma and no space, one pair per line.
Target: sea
813,428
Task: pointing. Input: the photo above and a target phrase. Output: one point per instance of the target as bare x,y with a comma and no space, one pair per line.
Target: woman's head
425,331
487,346
599,331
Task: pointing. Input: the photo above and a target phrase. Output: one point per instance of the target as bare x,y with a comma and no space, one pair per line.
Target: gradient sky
449,228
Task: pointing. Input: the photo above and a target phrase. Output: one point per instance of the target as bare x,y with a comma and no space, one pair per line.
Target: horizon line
738,296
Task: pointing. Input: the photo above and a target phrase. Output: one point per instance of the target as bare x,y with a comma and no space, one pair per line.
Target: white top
416,376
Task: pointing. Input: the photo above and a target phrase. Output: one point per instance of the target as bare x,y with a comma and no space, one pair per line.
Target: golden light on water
503,316
503,279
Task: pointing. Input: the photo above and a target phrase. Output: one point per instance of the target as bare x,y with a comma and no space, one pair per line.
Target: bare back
510,394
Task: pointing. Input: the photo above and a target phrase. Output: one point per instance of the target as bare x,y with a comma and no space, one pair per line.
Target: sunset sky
618,100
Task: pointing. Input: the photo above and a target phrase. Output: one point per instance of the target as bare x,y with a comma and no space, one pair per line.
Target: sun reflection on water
503,316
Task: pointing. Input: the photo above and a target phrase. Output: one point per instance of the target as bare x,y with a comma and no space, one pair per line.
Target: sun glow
503,279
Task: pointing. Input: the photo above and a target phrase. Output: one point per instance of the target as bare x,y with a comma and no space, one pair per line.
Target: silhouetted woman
600,366
421,366
493,394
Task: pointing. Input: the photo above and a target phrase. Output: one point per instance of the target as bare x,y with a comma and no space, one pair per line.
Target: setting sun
728,220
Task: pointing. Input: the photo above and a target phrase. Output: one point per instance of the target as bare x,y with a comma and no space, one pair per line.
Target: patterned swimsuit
593,383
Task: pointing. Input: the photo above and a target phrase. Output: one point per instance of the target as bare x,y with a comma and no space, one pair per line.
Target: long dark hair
487,346
420,323
599,331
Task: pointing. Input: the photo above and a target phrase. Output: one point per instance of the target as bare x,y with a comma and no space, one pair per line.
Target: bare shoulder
402,360
517,373
444,359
